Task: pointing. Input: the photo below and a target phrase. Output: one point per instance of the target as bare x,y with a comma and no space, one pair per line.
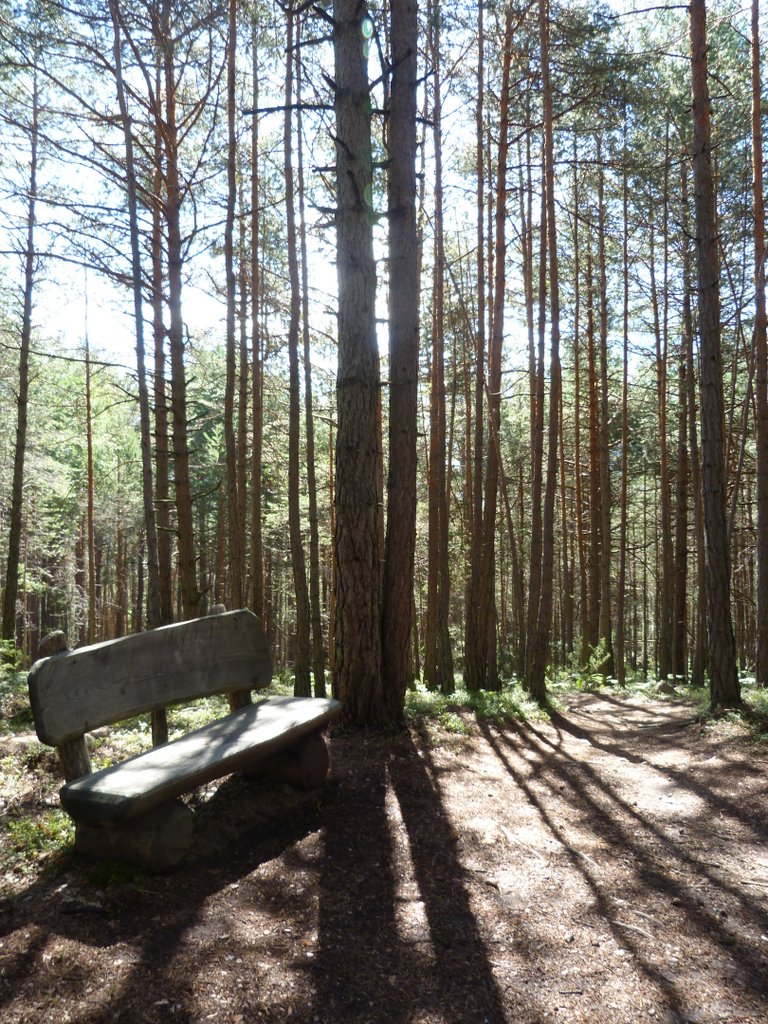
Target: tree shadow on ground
405,914
352,906
661,866
145,922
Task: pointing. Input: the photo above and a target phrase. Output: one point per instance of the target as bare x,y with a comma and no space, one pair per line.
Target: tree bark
154,610
606,607
318,651
257,544
356,495
537,675
235,580
403,357
301,653
189,593
22,398
761,360
438,660
723,678
475,652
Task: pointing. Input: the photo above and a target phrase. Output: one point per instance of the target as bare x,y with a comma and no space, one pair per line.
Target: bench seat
238,741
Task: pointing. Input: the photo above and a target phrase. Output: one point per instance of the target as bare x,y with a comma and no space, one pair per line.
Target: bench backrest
77,691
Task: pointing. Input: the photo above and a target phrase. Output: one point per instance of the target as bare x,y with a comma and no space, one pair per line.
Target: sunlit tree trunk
621,582
318,652
154,609
89,498
22,397
537,675
699,645
302,687
235,560
475,637
595,511
487,617
606,544
257,543
723,678
537,415
664,613
438,658
403,357
356,496
189,593
577,462
761,360
680,578
160,395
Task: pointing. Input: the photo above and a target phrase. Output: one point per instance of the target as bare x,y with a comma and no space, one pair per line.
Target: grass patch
455,712
28,840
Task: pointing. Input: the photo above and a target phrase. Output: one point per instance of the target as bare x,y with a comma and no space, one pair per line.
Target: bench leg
304,766
157,840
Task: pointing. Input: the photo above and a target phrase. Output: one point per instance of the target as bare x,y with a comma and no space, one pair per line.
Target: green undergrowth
15,712
460,712
752,715
29,839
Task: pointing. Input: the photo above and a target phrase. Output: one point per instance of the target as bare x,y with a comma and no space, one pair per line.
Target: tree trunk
595,510
17,492
162,438
235,588
403,357
664,613
761,361
89,499
154,610
356,496
537,676
475,637
621,582
723,678
257,544
606,640
301,650
438,661
318,654
189,593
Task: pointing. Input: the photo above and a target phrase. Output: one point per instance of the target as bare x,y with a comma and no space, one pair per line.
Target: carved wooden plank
78,691
230,744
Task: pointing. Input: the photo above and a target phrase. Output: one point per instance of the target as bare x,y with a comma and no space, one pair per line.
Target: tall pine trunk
723,678
357,530
301,652
537,675
403,358
761,360
187,561
235,576
154,609
22,397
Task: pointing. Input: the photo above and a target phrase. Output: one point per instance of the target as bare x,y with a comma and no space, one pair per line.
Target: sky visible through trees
558,463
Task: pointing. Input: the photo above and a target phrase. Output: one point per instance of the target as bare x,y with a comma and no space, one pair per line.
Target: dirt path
609,867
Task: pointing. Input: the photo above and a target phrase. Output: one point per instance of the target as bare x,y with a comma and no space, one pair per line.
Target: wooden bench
131,810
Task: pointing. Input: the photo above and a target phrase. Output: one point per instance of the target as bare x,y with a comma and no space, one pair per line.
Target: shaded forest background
181,150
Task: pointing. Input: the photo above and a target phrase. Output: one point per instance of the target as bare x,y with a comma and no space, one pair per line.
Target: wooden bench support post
304,766
74,759
156,841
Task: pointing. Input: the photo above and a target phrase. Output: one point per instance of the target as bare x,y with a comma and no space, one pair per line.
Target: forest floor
610,865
